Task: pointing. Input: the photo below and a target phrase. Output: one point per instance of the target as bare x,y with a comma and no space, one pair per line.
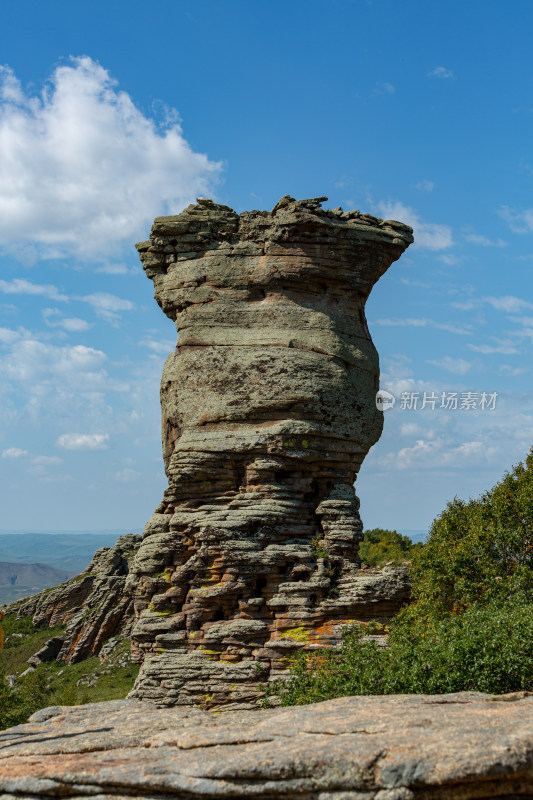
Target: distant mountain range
30,562
21,580
70,552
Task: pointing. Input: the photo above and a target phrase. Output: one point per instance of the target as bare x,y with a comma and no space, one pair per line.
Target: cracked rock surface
447,747
268,410
93,605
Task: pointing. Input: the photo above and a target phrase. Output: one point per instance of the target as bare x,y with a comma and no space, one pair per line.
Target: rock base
450,747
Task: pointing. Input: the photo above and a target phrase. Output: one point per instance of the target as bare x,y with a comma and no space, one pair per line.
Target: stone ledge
461,746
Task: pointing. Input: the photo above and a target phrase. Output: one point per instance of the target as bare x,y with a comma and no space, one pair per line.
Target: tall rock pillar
268,410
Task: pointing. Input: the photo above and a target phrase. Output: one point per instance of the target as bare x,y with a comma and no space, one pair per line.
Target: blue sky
114,113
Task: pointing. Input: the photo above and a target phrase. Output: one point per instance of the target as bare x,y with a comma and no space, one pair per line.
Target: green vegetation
56,683
470,626
381,546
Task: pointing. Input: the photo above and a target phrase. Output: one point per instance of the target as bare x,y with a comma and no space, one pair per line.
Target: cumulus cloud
440,72
8,335
83,441
425,185
31,360
14,452
429,235
83,171
21,286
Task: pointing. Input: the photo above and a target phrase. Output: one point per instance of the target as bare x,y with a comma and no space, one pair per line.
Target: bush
486,649
17,705
470,626
480,550
380,546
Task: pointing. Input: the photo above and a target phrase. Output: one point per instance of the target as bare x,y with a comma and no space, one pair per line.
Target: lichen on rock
268,410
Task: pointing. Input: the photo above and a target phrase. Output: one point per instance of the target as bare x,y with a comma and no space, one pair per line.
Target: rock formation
447,747
268,410
93,605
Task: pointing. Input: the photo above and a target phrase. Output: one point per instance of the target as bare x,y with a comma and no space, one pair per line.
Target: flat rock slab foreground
400,747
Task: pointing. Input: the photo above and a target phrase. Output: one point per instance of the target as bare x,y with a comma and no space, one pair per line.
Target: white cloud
458,366
427,234
508,303
512,371
107,305
518,221
440,72
70,324
484,241
410,429
74,324
386,87
163,347
83,171
127,475
449,259
425,185
21,286
423,322
46,460
114,269
7,335
407,455
486,349
83,441
14,452
34,361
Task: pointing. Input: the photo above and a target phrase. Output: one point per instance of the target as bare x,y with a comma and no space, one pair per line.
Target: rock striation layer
93,605
447,747
268,410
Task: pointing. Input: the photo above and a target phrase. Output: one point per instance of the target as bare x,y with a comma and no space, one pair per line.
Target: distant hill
22,580
70,552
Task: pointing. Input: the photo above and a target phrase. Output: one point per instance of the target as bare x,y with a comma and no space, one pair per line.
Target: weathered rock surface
445,747
268,410
48,652
93,605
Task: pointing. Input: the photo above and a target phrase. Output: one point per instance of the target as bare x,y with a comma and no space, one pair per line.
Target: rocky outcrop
93,605
448,747
49,652
268,410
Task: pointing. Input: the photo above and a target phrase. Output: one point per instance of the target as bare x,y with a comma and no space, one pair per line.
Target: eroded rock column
268,410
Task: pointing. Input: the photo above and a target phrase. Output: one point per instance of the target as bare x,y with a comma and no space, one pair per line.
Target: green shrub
17,706
380,546
480,550
486,649
470,626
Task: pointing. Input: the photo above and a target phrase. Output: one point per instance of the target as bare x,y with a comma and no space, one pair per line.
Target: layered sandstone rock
93,605
463,746
268,410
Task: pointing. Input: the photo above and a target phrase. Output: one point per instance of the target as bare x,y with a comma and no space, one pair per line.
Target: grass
56,683
14,656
